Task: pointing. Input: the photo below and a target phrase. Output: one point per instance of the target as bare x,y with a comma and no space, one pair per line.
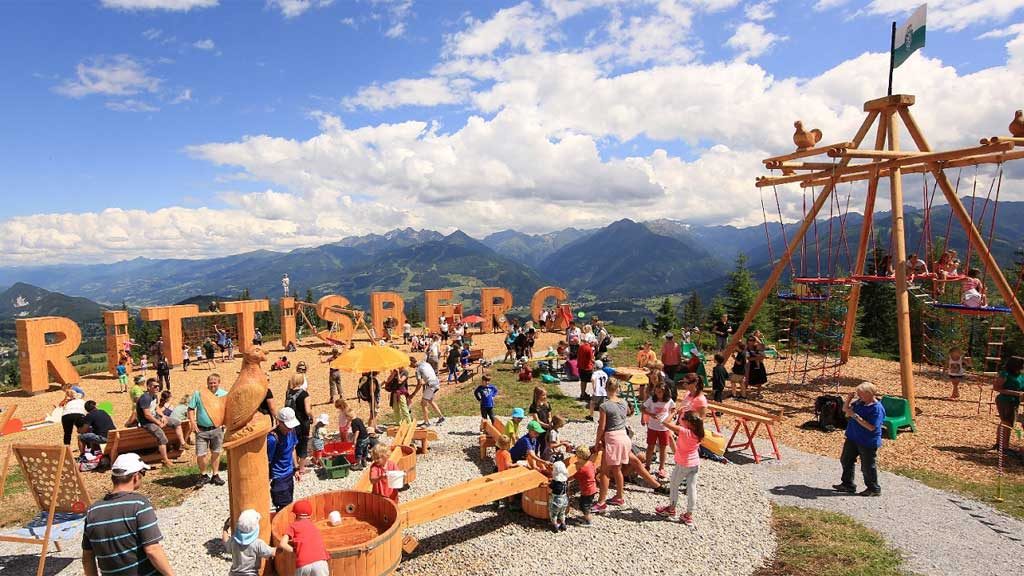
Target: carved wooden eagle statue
1017,126
803,138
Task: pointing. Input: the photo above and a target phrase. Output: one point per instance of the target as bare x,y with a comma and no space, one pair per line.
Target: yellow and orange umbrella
371,359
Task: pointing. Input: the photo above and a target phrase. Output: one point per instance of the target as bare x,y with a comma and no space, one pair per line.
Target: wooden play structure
424,436
55,485
342,322
849,162
140,441
38,360
744,418
402,454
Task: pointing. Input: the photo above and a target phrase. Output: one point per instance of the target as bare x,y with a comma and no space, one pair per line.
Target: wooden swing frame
885,160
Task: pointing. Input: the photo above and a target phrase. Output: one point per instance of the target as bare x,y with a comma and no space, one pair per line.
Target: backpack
364,388
828,410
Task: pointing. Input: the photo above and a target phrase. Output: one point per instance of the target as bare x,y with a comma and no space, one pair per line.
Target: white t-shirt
444,326
599,382
407,328
661,410
76,406
425,373
433,351
559,473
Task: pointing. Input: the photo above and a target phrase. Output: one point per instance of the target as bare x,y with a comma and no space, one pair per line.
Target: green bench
897,415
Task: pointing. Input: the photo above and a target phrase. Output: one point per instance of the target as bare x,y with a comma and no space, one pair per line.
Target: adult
281,444
121,533
721,330
257,338
863,439
426,378
149,417
222,340
72,412
757,372
334,375
585,366
443,327
671,358
433,352
1010,389
94,427
613,440
406,332
163,372
297,398
206,414
209,353
572,336
645,356
916,266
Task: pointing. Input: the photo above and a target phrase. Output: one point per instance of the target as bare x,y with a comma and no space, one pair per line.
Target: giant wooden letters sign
38,360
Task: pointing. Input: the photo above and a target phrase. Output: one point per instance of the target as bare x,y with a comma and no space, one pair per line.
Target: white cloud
130,105
168,5
396,12
432,91
752,40
822,5
152,33
293,8
1012,30
204,44
760,11
949,14
518,27
111,75
183,96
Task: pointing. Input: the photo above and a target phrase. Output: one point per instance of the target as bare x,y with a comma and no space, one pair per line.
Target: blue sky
143,127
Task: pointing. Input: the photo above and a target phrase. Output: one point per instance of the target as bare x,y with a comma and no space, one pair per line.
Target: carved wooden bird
1017,126
248,391
803,138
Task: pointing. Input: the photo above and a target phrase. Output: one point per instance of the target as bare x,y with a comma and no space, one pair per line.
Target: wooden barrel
370,531
535,502
408,463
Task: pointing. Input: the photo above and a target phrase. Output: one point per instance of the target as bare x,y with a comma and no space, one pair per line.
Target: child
305,541
719,376
485,393
502,458
199,355
185,360
599,388
379,472
122,375
363,440
144,364
464,358
540,411
245,546
525,373
586,477
138,389
528,442
553,447
739,369
658,407
688,436
558,500
512,426
320,440
344,418
1009,389
955,370
973,290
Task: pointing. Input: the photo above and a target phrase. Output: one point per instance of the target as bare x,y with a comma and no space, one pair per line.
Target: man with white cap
121,534
281,444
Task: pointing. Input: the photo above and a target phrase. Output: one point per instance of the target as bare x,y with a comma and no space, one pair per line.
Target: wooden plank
879,104
744,413
471,494
809,152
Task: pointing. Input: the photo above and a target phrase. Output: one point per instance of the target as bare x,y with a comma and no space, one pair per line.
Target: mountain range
26,301
623,261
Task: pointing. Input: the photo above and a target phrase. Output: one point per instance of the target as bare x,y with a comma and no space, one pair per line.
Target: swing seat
975,311
897,415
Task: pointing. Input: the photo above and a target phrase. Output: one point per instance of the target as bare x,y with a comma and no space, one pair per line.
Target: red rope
767,234
974,197
782,224
949,220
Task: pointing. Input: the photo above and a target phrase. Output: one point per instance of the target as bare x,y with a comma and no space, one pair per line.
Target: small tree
693,311
644,324
413,316
665,319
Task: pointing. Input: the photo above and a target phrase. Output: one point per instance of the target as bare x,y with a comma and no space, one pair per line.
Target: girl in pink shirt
694,400
688,436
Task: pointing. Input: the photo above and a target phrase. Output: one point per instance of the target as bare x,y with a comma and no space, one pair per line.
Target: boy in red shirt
586,477
304,540
379,472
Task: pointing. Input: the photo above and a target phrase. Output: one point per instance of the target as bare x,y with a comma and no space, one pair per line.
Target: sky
195,128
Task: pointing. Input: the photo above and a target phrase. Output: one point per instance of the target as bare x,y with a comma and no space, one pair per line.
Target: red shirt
587,478
503,459
670,354
585,357
304,536
379,478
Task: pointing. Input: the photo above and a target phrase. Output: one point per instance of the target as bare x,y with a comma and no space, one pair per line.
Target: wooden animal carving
1017,126
805,138
248,392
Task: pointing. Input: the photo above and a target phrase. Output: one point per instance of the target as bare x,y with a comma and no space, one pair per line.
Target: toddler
558,501
955,370
586,477
245,546
379,472
320,440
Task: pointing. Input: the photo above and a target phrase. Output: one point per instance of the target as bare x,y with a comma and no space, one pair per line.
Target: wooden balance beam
489,434
138,440
422,435
470,494
744,417
403,437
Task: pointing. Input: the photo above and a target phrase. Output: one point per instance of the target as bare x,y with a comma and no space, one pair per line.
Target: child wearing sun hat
245,546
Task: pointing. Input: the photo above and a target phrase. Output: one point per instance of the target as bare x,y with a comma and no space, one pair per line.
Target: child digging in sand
245,546
305,541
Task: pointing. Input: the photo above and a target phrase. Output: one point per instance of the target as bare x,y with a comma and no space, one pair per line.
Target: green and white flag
910,36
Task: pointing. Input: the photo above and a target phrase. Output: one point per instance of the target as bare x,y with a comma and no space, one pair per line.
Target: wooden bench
489,434
422,435
744,416
138,440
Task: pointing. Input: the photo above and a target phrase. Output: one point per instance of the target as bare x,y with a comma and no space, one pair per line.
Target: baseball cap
518,413
287,416
324,419
128,464
668,335
303,508
598,364
535,426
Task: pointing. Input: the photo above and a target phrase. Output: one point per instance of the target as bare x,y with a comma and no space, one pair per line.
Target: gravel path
732,534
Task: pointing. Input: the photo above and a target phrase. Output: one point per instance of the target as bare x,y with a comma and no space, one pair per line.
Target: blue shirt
873,414
486,394
524,445
280,452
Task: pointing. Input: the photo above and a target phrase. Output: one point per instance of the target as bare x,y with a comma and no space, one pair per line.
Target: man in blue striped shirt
121,535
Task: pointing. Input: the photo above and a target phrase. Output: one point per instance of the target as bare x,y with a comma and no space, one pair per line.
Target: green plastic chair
897,415
107,406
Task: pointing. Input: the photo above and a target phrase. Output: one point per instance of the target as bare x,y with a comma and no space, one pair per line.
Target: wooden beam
794,242
799,166
975,237
895,100
470,494
921,168
809,152
900,262
854,153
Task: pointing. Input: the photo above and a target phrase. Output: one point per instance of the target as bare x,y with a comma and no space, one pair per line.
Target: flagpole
892,56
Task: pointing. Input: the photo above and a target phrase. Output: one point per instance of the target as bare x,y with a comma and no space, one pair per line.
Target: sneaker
662,490
686,518
554,528
665,511
216,480
425,424
588,418
844,488
616,501
869,492
663,475
586,522
440,420
599,507
561,527
203,480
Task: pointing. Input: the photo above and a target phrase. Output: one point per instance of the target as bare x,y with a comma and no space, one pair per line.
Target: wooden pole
862,249
794,243
900,262
54,496
974,236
